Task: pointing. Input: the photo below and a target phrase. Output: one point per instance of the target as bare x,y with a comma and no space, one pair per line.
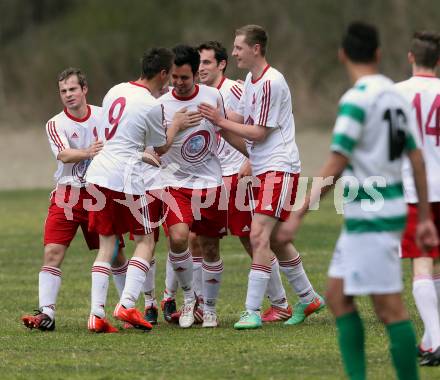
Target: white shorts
368,263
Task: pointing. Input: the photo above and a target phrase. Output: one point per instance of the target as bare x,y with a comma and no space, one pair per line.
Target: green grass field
273,352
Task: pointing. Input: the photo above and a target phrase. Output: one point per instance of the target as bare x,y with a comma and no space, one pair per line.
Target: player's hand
187,119
151,157
426,235
245,170
209,112
94,148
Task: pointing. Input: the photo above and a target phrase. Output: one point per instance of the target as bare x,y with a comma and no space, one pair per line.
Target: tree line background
39,38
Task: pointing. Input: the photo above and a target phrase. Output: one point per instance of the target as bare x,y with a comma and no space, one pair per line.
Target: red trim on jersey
221,82
139,85
261,76
265,104
425,75
54,136
82,120
236,91
184,98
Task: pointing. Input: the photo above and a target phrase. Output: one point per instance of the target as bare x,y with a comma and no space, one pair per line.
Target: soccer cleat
431,359
132,316
276,314
100,325
168,307
302,310
421,353
198,315
187,315
151,314
210,319
39,321
248,320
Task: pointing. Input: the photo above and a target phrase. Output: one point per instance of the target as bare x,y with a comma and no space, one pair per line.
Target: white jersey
132,119
230,158
152,176
66,131
374,129
424,94
192,162
266,101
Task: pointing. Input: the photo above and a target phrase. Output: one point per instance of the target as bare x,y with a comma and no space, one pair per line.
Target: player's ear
196,77
257,49
85,89
222,65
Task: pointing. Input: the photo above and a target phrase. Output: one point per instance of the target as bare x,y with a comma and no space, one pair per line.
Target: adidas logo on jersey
74,136
268,208
245,229
222,230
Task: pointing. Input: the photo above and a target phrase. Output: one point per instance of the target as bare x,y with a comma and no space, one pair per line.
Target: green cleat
248,320
302,310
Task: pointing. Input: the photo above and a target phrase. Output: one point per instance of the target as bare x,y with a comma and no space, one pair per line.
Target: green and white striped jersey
374,129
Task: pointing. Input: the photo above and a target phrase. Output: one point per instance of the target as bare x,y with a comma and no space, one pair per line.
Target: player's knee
54,255
259,241
178,242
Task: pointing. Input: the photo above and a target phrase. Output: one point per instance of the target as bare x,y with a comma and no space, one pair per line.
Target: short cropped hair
425,47
187,55
254,34
154,61
360,42
82,80
220,52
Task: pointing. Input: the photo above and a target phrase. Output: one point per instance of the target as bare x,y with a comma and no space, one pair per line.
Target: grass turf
308,351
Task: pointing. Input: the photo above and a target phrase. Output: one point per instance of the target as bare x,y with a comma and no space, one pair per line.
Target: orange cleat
132,316
100,325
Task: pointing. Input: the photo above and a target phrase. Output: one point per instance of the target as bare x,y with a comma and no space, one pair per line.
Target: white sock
171,283
298,280
49,283
275,289
197,276
100,273
426,301
426,341
136,273
183,268
258,278
119,277
211,280
436,279
149,286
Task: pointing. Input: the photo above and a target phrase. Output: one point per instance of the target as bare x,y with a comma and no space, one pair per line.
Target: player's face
243,53
183,80
210,71
71,93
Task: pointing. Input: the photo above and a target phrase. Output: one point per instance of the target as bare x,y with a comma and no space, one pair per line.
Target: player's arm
71,155
236,141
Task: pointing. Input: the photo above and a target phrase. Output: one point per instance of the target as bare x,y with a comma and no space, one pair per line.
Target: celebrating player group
186,148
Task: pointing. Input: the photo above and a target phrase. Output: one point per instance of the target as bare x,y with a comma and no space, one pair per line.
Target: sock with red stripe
150,285
100,273
183,268
119,277
171,282
258,278
49,283
426,301
275,289
298,280
136,275
211,280
197,276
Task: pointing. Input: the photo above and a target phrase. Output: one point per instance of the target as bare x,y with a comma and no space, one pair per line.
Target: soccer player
373,132
264,118
72,141
132,119
192,172
213,63
423,91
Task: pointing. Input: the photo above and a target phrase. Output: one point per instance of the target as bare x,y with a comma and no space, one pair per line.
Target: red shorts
66,213
277,193
240,202
117,213
200,209
409,246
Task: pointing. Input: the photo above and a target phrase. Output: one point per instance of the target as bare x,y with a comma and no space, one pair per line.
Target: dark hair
155,60
220,52
360,42
254,34
425,47
187,55
82,80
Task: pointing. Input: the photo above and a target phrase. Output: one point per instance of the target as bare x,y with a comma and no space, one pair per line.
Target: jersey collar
139,85
85,118
261,75
184,98
221,83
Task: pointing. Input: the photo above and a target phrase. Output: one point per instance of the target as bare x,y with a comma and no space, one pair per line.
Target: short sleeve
156,135
57,137
221,107
268,104
234,97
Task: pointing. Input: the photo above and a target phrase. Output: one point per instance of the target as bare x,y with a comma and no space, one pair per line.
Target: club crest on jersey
196,146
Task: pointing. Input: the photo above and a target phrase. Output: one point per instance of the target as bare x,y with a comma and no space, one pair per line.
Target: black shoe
421,353
39,321
169,308
151,314
431,359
